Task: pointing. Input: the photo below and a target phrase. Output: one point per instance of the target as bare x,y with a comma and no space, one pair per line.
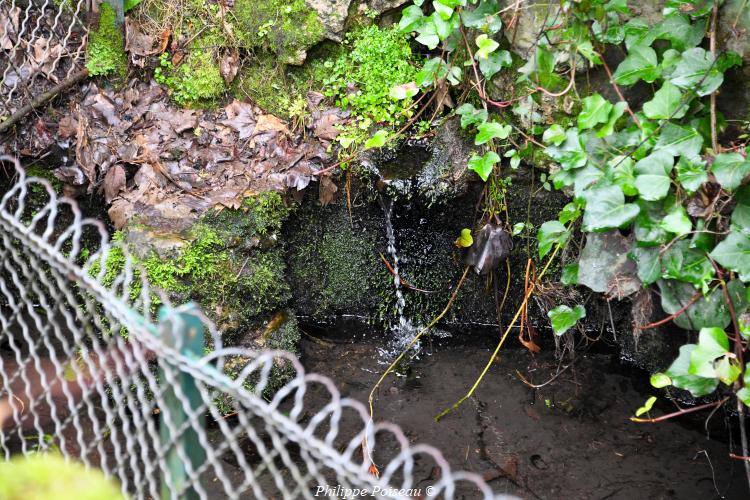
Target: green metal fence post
185,334
119,7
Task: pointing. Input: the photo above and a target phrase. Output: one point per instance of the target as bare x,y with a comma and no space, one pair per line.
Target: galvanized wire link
41,43
86,369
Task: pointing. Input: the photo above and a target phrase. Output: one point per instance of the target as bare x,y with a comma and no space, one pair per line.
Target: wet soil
570,439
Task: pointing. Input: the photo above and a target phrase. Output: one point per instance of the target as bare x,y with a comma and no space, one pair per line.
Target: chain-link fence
42,43
86,370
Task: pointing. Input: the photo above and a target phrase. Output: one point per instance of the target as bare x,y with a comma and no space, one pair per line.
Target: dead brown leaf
114,182
44,57
327,191
229,65
270,123
241,118
67,126
9,27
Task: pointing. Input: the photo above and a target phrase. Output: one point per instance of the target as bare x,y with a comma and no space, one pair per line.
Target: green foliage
196,82
281,27
377,60
638,171
564,318
105,52
50,476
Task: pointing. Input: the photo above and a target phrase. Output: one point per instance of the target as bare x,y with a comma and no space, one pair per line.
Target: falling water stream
403,330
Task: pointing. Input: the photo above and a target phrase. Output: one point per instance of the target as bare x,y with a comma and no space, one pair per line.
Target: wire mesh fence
42,42
86,370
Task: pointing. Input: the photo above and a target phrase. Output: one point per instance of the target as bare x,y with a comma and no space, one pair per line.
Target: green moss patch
284,28
105,52
197,82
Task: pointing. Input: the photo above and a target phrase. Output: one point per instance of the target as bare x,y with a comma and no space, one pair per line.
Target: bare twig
43,98
679,413
712,42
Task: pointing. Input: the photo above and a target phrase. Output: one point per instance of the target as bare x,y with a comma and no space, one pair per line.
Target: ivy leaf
404,91
569,275
130,4
494,63
681,379
465,240
666,103
428,34
660,380
595,110
570,154
677,221
617,111
411,19
648,263
606,209
444,27
483,165
550,233
679,140
727,370
647,228
730,170
443,10
432,72
569,212
484,17
640,64
486,46
452,3
471,115
555,134
688,264
646,406
691,173
377,140
622,171
680,31
712,343
652,175
707,311
491,130
733,253
564,318
697,71
741,213
696,9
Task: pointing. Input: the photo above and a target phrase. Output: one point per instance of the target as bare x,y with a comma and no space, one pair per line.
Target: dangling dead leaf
229,65
442,98
9,28
45,56
492,245
114,182
327,191
241,118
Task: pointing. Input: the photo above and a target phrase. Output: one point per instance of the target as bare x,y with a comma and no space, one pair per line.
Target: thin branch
672,316
678,413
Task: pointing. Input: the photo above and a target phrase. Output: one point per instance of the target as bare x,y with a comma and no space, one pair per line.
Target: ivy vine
655,174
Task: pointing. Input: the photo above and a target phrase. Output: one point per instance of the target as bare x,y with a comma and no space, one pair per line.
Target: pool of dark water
571,438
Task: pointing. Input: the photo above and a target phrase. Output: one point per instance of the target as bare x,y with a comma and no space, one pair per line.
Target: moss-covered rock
286,28
334,262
